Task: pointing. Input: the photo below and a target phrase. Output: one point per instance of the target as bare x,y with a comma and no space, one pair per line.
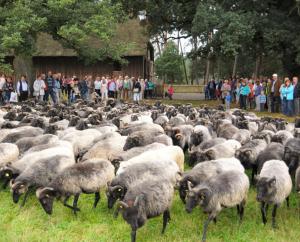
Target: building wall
71,66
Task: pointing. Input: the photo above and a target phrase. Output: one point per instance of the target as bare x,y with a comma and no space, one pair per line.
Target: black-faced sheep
225,190
274,185
87,177
291,153
146,200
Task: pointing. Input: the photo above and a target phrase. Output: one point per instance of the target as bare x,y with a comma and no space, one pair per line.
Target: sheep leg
65,202
25,198
238,209
210,218
166,219
241,213
274,216
254,172
5,184
97,198
215,220
288,202
75,208
263,212
133,235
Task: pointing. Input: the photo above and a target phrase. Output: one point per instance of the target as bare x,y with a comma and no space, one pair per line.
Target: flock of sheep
136,153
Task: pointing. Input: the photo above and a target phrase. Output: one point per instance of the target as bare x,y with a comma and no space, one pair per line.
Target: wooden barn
51,55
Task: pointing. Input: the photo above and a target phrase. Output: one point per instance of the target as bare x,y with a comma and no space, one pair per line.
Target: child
227,100
170,92
262,100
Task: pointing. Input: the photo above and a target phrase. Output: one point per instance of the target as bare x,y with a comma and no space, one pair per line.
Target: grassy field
31,223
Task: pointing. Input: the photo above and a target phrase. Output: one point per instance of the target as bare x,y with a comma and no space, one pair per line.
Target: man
23,89
296,95
51,87
275,94
84,88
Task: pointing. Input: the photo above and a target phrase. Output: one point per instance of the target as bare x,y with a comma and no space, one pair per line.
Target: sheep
141,127
174,153
181,135
243,136
224,190
146,200
226,149
265,135
274,185
282,136
248,153
227,131
297,180
200,133
8,153
204,170
127,155
108,144
26,143
273,151
87,177
137,173
39,174
22,132
291,153
141,138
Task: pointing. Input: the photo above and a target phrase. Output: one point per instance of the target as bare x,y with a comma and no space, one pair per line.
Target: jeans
136,96
227,105
243,101
287,106
297,106
257,103
275,104
52,94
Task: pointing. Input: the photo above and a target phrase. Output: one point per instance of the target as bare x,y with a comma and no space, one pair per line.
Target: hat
274,75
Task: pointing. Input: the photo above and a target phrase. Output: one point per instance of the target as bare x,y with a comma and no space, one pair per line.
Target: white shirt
24,86
2,82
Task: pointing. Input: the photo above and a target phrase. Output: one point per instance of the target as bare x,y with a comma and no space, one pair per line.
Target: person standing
251,94
39,89
112,87
120,87
150,88
97,85
136,91
84,88
287,94
23,89
8,89
142,81
104,89
170,92
296,96
257,92
225,89
227,101
262,101
237,92
275,94
244,92
126,87
51,87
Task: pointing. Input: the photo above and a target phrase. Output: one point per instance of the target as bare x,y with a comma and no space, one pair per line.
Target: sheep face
198,156
183,187
114,193
8,173
131,141
51,129
196,138
18,188
46,198
195,197
266,188
246,157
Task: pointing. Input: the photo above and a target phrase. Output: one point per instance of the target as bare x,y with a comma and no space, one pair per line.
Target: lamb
205,170
26,143
39,174
248,153
137,173
282,136
274,151
226,149
146,200
141,138
174,153
227,189
87,177
274,185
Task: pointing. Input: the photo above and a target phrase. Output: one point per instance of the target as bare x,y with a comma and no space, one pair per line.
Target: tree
86,26
169,65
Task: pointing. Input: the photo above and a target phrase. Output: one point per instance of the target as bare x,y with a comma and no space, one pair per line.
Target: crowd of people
54,87
266,94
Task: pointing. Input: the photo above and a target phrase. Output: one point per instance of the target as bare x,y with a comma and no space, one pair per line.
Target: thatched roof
130,32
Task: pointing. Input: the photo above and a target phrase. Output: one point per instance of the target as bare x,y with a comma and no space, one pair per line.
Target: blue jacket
245,90
288,92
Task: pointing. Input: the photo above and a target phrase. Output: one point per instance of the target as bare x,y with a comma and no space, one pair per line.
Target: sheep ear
123,205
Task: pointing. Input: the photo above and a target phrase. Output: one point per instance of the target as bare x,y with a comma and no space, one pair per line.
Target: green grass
31,223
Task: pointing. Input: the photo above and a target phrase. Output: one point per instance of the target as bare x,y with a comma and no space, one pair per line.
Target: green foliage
169,64
87,26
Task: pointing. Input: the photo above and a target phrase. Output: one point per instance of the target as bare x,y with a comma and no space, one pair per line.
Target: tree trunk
158,46
183,62
207,69
235,66
257,66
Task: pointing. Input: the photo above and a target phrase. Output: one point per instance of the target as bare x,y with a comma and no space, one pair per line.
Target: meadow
31,224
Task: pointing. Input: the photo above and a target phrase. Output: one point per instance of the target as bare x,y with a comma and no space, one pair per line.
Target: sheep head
18,188
265,187
46,197
198,196
114,193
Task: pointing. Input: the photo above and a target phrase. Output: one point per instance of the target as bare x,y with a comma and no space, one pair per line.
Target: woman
244,92
2,83
112,87
237,92
23,89
142,81
39,89
257,92
126,87
287,97
97,84
104,90
226,87
170,92
8,89
136,91
120,87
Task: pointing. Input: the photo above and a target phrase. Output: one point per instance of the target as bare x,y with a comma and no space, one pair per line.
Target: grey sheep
87,177
274,151
142,138
141,127
274,185
17,134
282,136
181,135
145,200
292,153
224,190
39,174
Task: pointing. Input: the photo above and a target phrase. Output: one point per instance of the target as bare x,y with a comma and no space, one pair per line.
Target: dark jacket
297,90
276,88
137,85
